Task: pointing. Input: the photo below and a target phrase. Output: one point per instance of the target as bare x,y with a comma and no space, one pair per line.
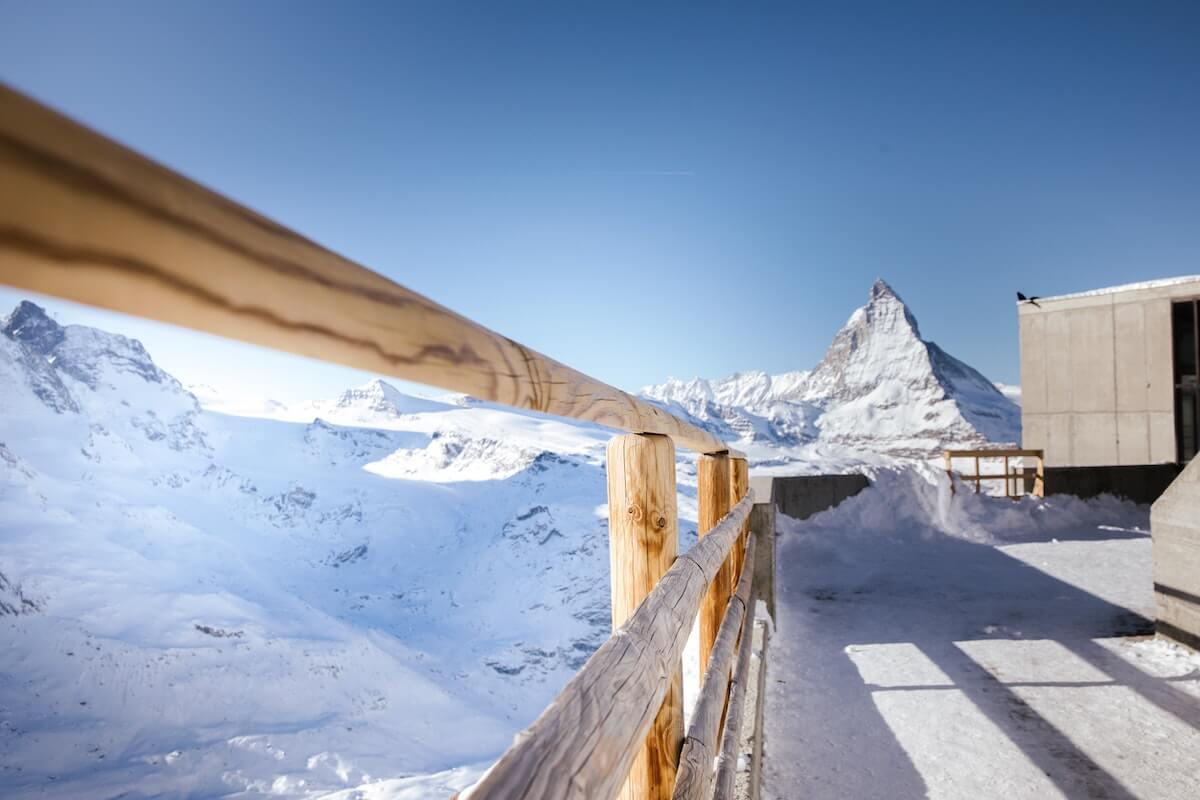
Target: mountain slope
204,604
880,387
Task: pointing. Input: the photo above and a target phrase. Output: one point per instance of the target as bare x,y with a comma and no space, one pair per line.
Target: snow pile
880,387
916,501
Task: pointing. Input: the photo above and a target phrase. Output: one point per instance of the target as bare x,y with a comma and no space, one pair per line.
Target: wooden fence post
713,498
643,538
739,484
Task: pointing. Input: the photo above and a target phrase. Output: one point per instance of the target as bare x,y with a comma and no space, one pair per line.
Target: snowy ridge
880,387
173,580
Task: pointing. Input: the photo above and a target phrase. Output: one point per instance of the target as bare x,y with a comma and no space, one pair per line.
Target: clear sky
653,189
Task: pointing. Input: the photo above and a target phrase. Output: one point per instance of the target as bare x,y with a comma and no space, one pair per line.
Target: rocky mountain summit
880,387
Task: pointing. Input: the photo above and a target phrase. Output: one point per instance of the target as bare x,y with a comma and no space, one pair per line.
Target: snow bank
917,501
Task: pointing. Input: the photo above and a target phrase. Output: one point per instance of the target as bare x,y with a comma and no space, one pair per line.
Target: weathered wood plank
712,498
700,744
732,736
739,484
760,684
86,219
584,743
643,537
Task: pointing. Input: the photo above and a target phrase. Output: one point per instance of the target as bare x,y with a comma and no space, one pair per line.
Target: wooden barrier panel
703,734
643,536
85,219
584,743
1009,476
712,495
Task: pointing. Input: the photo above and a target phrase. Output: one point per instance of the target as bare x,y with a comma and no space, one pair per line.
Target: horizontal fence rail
583,743
86,219
703,735
732,735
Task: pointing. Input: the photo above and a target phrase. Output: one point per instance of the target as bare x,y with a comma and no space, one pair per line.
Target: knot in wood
660,521
636,513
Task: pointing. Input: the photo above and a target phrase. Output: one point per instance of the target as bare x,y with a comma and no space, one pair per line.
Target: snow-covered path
910,662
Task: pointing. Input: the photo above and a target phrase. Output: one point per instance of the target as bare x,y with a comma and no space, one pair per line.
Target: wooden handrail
984,453
704,732
86,219
583,743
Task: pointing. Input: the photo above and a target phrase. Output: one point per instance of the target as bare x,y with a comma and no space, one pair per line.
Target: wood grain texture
739,484
643,537
700,745
731,737
584,743
760,679
85,219
712,496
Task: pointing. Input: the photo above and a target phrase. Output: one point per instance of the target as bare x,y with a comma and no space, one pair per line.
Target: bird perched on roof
1023,299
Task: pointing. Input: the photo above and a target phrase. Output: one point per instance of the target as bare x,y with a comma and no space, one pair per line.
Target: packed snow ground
931,645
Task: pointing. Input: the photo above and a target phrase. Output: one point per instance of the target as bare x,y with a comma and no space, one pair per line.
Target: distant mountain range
880,387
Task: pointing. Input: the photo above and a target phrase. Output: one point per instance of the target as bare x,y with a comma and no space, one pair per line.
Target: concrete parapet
1141,483
1175,532
801,496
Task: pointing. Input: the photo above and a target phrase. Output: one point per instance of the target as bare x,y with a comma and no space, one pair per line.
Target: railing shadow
827,736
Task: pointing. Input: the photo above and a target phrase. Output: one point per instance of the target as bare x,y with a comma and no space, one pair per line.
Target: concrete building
1109,391
1108,377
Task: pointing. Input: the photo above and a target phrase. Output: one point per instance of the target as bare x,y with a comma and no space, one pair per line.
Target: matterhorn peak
881,288
879,384
887,312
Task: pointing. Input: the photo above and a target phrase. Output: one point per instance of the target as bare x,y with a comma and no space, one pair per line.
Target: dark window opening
1185,334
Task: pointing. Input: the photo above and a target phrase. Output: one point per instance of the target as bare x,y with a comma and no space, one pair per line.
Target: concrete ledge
801,496
1141,483
1175,533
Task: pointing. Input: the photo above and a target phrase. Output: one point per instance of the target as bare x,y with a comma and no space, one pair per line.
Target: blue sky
653,189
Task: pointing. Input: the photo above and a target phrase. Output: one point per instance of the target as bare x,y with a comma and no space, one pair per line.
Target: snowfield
368,596
931,645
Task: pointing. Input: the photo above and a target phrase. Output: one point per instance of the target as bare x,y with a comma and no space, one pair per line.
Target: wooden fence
86,219
1016,479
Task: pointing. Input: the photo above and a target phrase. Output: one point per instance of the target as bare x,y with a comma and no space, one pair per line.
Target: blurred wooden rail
85,219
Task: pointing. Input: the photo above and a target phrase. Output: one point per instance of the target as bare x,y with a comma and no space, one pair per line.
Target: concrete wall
801,496
1141,483
1175,531
798,496
1097,387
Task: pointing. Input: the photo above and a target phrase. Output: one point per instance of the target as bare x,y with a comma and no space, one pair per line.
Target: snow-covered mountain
211,596
880,387
372,587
